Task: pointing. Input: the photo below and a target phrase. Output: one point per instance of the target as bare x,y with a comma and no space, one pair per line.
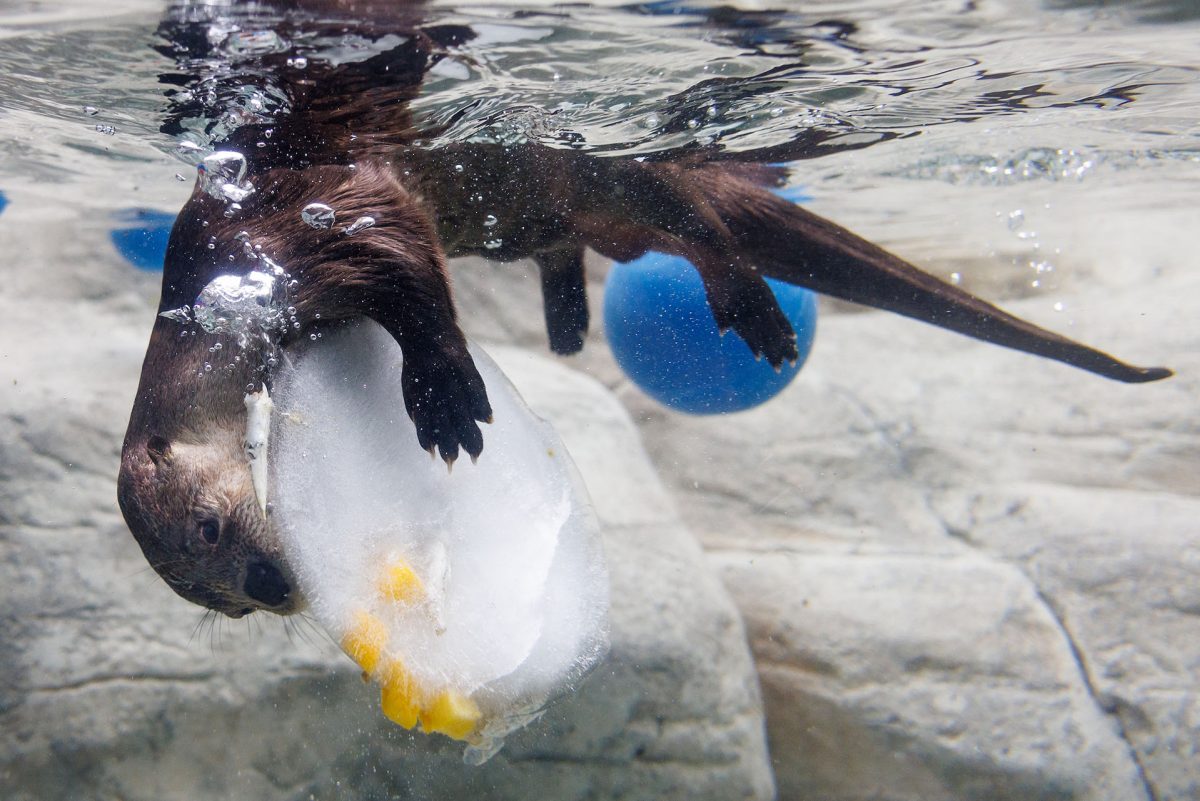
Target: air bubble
249,43
490,221
360,224
91,111
318,215
299,62
107,130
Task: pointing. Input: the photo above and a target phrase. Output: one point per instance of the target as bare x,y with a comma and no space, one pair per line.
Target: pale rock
997,554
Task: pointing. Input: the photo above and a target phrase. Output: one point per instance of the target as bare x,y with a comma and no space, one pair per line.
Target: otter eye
210,531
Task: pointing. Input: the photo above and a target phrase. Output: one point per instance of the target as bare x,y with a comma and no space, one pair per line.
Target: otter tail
792,244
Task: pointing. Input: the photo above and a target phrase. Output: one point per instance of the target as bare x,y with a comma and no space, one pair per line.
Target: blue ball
3,202
142,237
663,335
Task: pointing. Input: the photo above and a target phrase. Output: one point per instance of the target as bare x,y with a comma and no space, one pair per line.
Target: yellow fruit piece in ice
401,584
452,714
398,696
365,640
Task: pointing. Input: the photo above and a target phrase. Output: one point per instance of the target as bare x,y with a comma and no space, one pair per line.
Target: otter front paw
444,396
745,303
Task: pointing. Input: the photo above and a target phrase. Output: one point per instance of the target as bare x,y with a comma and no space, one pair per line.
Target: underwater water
929,569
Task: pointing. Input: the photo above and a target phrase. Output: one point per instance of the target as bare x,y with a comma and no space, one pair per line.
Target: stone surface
113,687
968,572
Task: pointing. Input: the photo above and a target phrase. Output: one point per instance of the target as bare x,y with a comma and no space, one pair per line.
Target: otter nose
265,584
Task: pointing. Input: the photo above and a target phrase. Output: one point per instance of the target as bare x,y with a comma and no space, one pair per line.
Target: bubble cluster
229,302
252,308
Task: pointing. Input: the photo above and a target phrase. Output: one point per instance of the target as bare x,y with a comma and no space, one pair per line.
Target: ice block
472,597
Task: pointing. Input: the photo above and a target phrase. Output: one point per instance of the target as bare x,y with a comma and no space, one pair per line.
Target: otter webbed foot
742,301
446,399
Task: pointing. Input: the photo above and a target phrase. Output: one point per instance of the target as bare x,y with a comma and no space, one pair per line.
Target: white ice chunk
472,597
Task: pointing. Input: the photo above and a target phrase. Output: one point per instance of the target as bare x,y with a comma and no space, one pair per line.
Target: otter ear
159,450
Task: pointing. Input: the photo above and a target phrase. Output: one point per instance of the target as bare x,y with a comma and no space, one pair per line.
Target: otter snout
266,584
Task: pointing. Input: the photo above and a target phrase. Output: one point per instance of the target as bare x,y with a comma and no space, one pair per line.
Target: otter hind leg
741,301
564,298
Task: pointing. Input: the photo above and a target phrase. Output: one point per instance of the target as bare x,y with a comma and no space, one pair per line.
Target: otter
342,137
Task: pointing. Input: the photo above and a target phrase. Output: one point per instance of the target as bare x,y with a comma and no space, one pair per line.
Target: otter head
191,506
